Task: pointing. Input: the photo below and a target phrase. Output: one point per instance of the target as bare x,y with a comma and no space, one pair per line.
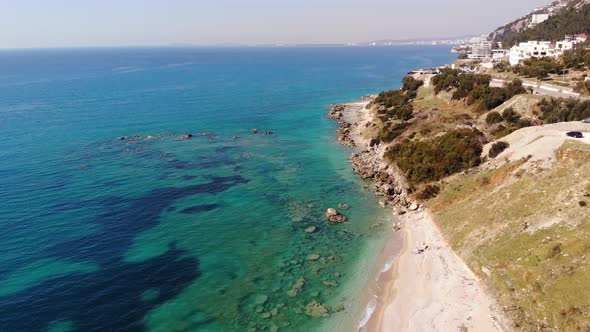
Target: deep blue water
101,234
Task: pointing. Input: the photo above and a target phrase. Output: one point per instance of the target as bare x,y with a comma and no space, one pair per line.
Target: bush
434,159
523,123
430,191
563,110
392,131
494,117
538,67
411,85
476,88
498,148
510,115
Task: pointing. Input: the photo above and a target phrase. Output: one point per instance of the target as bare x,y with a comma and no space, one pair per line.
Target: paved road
542,89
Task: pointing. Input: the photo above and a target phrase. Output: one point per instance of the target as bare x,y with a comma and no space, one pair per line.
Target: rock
261,299
414,206
265,315
151,138
401,211
185,137
254,130
311,229
122,138
297,287
312,257
334,216
268,133
330,283
316,309
486,271
383,203
343,206
235,137
206,133
339,308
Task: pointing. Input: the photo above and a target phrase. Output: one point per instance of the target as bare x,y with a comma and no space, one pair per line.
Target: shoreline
432,290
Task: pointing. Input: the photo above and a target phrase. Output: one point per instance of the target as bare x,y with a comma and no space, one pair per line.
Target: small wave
387,266
126,69
369,311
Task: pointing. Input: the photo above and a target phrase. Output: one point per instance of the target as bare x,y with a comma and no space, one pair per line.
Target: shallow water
203,234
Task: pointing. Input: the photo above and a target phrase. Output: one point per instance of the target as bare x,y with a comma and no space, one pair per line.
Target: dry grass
531,231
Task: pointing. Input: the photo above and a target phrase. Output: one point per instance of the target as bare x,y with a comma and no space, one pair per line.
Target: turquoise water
207,234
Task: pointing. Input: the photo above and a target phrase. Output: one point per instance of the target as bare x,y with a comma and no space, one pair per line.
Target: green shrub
392,131
498,148
430,191
494,117
510,115
523,123
411,85
434,159
538,67
563,110
476,88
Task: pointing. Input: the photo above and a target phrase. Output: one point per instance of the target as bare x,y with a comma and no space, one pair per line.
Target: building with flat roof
542,49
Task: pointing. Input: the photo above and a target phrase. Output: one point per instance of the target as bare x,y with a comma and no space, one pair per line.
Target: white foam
369,310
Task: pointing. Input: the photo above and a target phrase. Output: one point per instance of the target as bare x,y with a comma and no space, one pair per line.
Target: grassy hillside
526,232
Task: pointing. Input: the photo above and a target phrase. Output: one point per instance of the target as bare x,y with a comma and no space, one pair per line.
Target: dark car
575,134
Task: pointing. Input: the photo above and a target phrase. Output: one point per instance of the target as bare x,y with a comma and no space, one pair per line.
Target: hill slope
572,19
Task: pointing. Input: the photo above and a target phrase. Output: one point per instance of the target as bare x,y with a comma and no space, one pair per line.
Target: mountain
565,17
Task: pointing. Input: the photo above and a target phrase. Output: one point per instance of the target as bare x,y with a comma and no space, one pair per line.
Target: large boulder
334,216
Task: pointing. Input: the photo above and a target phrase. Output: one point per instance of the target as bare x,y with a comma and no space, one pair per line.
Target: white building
531,49
499,54
541,49
481,50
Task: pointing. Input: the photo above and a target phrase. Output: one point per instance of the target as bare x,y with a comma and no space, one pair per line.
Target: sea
111,221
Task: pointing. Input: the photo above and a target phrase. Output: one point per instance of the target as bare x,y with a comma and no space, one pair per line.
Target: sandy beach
428,287
431,290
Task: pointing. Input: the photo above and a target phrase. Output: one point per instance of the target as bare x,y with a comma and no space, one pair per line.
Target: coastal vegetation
539,68
433,159
475,89
395,109
555,110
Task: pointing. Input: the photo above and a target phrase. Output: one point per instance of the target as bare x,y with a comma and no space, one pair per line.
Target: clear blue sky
65,23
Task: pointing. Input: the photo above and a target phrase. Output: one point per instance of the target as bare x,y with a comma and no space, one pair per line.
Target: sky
81,23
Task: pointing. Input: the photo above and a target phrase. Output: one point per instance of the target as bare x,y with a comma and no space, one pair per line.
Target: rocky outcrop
334,216
336,113
370,164
316,309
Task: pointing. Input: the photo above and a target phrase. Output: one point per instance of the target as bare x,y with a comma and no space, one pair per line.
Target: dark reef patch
107,300
110,298
200,208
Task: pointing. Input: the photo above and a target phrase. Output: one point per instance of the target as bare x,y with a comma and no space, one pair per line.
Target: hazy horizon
93,23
